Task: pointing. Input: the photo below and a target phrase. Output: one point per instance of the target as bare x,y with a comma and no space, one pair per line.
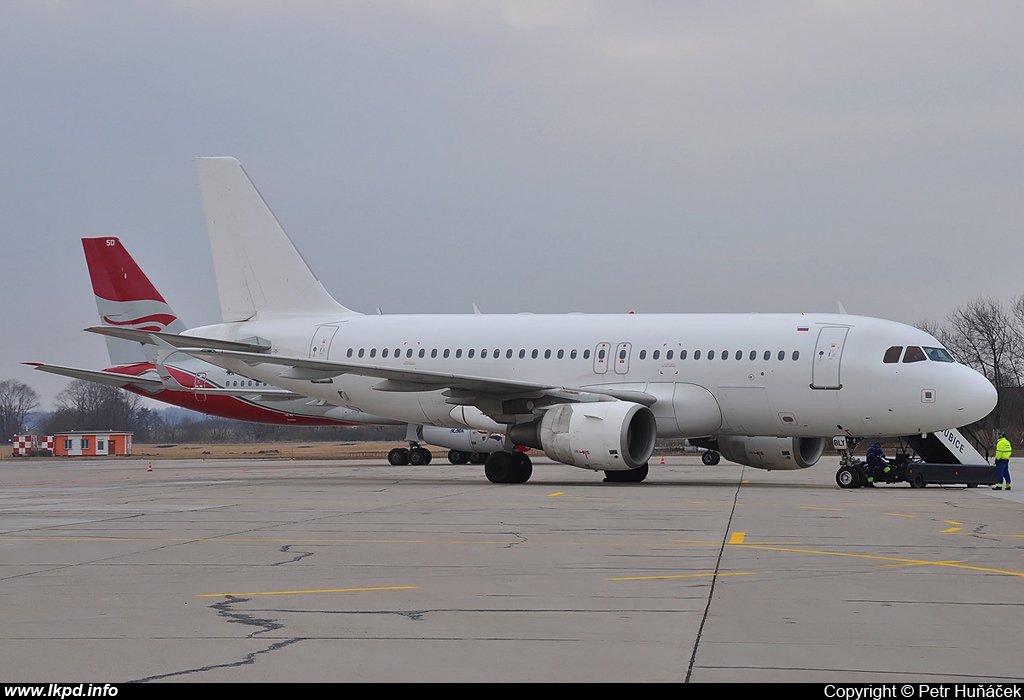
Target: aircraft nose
977,397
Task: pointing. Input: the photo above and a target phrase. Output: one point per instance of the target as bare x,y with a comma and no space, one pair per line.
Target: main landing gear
460,457
415,455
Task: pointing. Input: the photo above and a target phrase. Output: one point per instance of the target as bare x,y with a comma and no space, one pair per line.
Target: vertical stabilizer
125,298
260,273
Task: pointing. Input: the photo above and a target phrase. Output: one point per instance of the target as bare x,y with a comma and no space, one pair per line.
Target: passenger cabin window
914,354
892,354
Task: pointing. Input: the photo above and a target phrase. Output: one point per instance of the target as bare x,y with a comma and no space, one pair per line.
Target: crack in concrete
286,549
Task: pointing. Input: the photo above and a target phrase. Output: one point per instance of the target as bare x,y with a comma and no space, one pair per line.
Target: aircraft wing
99,377
463,388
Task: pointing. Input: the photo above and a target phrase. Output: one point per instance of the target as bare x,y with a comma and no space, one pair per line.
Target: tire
523,468
711,458
419,456
456,457
398,457
632,476
477,458
848,478
917,481
499,468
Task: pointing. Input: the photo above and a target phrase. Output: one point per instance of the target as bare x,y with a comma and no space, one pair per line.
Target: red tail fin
115,275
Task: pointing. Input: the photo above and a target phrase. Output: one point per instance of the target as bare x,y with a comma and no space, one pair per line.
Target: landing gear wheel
398,457
508,468
633,476
848,478
499,468
477,458
456,457
419,456
917,482
523,468
711,458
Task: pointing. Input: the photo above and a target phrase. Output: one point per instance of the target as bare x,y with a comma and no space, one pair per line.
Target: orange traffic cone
150,468
663,459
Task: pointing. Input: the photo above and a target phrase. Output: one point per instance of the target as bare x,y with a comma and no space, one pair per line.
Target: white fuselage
813,375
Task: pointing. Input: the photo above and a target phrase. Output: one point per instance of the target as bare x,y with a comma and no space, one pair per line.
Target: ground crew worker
876,458
1003,452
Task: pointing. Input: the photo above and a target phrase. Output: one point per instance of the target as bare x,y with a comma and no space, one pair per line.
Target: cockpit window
939,355
914,354
893,354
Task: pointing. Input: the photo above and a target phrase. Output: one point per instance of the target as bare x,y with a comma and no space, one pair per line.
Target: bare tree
83,405
17,400
985,336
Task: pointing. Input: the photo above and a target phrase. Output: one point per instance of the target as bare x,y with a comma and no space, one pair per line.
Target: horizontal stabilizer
116,379
179,341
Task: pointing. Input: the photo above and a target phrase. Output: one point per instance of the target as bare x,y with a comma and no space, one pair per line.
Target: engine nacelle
463,439
605,435
772,452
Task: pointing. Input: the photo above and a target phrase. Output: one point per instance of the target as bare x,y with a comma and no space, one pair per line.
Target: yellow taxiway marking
900,515
655,578
321,590
952,522
737,537
924,563
898,560
951,529
556,493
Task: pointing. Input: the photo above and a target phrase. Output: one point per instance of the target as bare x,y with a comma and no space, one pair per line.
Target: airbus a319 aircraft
126,299
591,391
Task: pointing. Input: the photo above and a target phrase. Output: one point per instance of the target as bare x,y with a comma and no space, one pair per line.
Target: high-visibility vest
1003,449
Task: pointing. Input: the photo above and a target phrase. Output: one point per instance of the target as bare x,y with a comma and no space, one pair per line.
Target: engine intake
605,435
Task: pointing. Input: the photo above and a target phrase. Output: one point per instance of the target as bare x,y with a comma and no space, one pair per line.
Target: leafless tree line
83,405
988,336
17,400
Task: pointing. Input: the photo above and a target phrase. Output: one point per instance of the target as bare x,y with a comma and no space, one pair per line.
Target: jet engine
604,435
772,452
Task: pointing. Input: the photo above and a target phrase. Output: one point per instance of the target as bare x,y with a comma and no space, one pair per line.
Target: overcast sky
526,156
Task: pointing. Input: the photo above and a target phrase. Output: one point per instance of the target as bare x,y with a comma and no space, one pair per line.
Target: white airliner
127,299
591,391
